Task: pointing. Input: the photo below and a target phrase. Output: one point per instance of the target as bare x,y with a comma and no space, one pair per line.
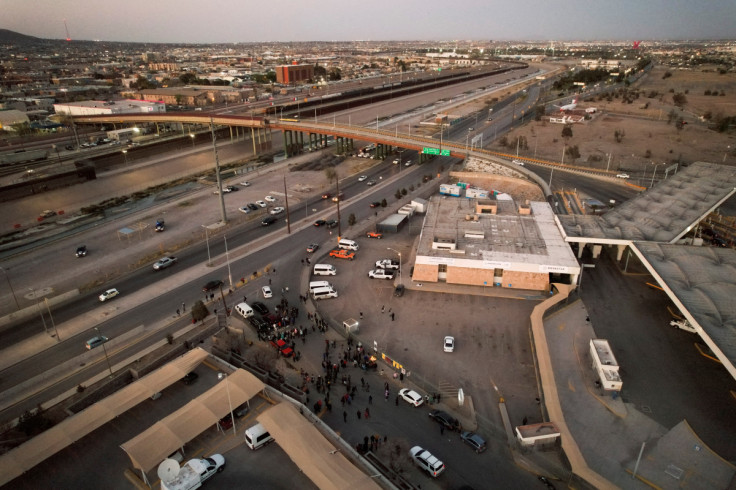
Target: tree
618,135
539,112
384,203
403,192
398,194
567,132
199,311
573,152
679,99
188,78
351,219
334,74
319,71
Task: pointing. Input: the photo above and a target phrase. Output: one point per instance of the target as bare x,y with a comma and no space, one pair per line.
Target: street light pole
207,238
227,258
192,137
229,401
104,349
12,291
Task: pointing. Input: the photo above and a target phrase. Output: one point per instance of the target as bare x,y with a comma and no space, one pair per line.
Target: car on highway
474,440
339,197
267,293
387,264
408,163
245,183
380,274
95,342
261,204
277,210
370,183
342,254
471,129
270,199
362,178
426,461
375,204
320,222
397,161
212,285
230,188
259,308
81,251
623,176
109,294
518,162
326,195
312,247
268,220
374,234
331,223
164,263
47,214
411,397
449,344
445,419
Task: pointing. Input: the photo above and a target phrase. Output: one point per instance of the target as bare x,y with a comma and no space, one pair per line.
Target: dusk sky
174,21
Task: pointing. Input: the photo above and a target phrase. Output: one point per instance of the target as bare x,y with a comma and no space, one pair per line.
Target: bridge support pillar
351,144
287,143
581,247
620,251
597,251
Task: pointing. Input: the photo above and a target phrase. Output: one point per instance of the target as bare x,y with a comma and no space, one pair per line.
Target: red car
374,234
342,254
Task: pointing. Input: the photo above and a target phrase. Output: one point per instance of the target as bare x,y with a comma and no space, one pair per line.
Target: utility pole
286,204
223,214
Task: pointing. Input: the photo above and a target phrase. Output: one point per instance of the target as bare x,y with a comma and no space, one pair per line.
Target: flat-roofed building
290,74
95,107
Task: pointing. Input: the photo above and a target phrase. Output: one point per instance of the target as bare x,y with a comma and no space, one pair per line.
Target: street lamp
207,238
125,156
104,349
229,401
192,136
399,254
12,291
654,173
43,320
227,257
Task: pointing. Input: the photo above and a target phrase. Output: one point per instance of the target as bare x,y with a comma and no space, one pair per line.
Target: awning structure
21,459
322,462
151,447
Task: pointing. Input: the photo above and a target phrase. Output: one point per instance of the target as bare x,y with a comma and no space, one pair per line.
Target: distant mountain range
7,36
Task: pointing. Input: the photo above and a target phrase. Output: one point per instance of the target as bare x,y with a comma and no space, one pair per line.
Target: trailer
604,363
23,156
476,193
450,190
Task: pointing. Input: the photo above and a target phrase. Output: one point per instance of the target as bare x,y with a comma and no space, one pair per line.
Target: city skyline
230,21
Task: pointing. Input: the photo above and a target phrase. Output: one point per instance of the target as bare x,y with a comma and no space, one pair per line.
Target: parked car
387,264
82,251
267,293
399,290
449,344
320,222
426,461
411,397
212,285
245,183
342,254
380,274
230,188
270,199
245,209
268,220
190,378
445,419
312,247
374,234
277,210
260,308
261,204
109,294
252,206
331,224
164,263
474,440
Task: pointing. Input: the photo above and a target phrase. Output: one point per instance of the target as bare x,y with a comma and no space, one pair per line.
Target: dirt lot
648,137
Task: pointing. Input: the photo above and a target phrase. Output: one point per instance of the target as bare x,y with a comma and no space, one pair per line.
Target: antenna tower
68,38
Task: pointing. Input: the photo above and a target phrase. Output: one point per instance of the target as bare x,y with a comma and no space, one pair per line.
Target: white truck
194,473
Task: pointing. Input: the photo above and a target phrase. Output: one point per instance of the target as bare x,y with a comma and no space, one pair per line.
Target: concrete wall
425,272
526,280
467,275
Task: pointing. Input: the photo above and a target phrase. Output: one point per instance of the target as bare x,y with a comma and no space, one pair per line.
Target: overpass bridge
294,130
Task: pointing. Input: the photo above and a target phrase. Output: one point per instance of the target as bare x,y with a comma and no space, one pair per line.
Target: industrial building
493,243
291,74
97,107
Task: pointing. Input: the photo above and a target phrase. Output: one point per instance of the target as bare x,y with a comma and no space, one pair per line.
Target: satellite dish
168,469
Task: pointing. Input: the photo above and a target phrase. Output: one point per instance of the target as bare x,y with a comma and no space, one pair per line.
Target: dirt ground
647,135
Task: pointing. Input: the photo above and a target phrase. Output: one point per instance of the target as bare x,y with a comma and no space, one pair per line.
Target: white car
518,162
426,461
267,293
164,263
408,163
387,264
109,294
380,274
261,204
449,344
396,161
362,178
245,183
270,199
245,209
623,176
411,397
277,210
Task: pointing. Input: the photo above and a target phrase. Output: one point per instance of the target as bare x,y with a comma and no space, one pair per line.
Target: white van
324,293
318,284
256,437
347,244
324,270
244,310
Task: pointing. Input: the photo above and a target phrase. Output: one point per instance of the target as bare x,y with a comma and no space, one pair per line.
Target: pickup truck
194,473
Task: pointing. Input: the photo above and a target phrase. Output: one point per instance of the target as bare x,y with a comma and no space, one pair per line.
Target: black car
190,378
375,204
253,207
399,291
320,222
444,418
259,324
332,223
260,308
212,285
268,220
81,251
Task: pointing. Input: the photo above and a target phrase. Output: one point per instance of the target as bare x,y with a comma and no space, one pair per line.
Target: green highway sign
435,151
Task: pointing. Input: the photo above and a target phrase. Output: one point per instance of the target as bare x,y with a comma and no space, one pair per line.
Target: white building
97,107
